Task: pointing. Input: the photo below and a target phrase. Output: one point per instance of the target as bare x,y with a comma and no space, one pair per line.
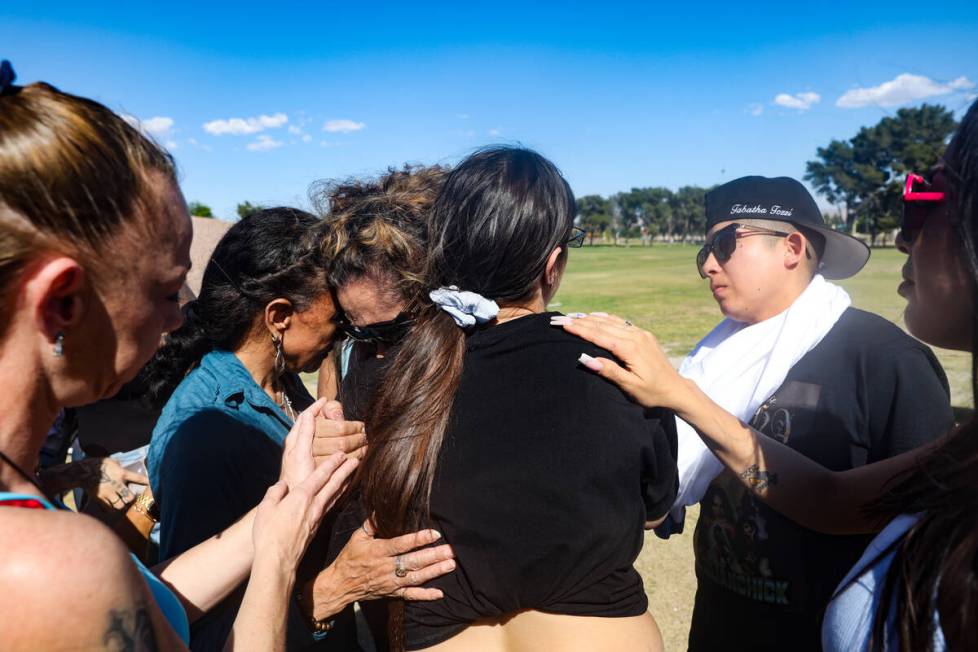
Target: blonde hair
72,173
378,228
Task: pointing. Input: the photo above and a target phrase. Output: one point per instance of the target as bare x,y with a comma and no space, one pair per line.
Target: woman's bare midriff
532,631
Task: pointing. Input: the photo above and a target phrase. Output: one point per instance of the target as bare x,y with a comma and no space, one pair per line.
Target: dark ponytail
273,253
499,216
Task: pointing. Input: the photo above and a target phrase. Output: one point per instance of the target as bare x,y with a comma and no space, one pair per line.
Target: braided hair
273,253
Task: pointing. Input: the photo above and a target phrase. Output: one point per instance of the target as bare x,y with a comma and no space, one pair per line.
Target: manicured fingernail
577,315
561,321
449,565
436,534
600,314
591,363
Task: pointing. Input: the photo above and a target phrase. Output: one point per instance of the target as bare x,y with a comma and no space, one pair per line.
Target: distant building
207,233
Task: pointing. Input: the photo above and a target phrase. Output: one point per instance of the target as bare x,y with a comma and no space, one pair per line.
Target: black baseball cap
786,200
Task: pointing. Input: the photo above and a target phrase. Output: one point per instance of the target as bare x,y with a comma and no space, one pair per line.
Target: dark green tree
593,215
198,209
246,208
689,212
865,174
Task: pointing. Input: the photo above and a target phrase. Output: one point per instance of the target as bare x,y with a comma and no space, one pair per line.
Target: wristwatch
144,504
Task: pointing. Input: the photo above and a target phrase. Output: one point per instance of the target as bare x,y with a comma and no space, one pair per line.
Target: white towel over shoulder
739,366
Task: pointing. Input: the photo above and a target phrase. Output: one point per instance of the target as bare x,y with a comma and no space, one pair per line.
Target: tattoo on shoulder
757,479
130,631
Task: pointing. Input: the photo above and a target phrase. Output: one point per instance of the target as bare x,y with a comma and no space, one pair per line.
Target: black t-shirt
364,373
545,478
362,378
866,392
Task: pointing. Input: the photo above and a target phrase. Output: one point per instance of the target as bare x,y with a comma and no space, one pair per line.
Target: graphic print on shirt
734,543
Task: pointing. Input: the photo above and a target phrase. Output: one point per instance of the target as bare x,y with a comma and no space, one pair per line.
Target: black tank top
545,479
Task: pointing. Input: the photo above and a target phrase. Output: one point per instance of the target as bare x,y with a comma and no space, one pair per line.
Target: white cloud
156,126
495,132
755,109
306,138
198,145
242,126
903,89
295,129
342,126
962,83
798,101
171,144
263,143
462,116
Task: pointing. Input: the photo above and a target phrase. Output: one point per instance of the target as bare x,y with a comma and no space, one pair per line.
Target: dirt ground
667,568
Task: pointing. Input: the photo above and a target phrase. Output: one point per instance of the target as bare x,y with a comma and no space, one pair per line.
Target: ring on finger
399,569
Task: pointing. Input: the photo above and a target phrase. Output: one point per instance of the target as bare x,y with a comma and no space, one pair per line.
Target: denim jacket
221,383
216,449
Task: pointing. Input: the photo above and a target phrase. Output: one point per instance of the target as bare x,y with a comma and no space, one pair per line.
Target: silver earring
279,344
59,345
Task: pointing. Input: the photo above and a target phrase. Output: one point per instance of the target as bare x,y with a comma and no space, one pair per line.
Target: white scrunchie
466,308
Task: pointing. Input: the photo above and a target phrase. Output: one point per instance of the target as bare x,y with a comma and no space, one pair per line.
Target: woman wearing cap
81,192
540,476
915,586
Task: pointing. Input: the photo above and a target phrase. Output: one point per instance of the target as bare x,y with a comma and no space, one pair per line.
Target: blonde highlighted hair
72,173
378,228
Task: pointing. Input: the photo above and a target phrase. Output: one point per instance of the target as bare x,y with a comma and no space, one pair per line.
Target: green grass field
658,288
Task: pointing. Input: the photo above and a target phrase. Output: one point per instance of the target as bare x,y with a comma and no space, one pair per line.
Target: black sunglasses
577,238
724,243
388,332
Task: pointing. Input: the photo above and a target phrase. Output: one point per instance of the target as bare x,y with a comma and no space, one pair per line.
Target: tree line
861,177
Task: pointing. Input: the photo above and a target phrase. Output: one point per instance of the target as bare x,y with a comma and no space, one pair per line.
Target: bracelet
144,504
318,626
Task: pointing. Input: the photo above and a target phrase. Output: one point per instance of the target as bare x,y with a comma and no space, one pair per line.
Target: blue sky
617,94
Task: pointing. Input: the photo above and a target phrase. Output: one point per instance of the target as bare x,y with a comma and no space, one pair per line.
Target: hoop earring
279,343
59,345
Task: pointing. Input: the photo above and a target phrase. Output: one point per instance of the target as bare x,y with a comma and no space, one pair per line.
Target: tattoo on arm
758,480
130,631
123,496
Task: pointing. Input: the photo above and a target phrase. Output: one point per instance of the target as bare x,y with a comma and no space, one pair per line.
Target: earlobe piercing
59,345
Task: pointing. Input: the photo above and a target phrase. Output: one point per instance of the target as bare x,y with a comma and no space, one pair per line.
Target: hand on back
647,376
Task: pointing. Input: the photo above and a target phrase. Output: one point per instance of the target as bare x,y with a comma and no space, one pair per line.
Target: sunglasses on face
920,198
576,239
388,332
724,243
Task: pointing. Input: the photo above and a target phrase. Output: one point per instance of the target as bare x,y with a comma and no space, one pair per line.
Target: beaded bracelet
318,626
